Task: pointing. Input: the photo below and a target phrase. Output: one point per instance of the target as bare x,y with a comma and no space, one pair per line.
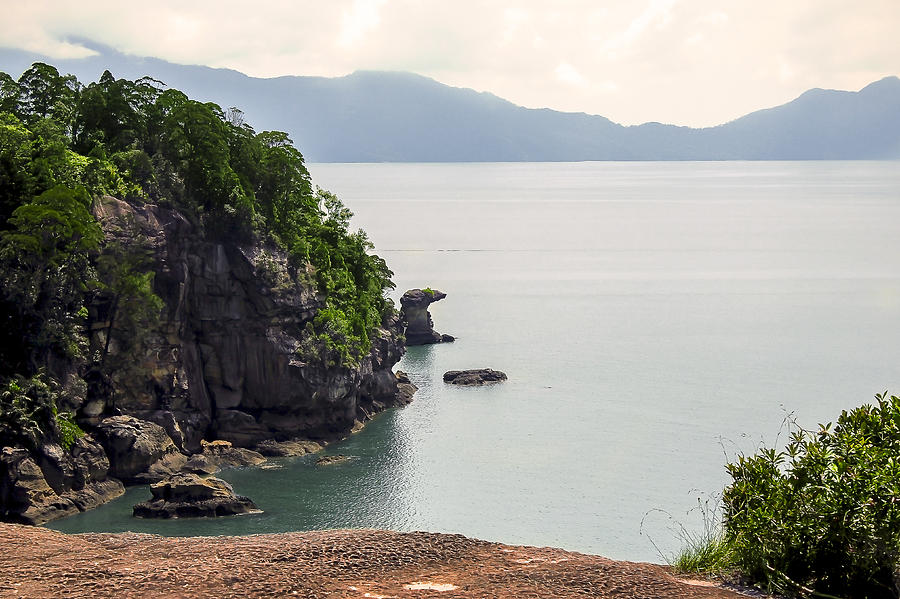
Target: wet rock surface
330,460
187,495
339,564
414,313
405,388
474,377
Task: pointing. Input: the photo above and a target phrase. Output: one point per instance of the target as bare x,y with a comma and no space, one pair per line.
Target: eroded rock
288,449
138,451
474,377
223,361
186,495
414,312
221,454
52,483
405,387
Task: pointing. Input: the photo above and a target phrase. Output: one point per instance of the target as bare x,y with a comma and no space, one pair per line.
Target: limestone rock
414,312
474,377
406,388
138,451
223,361
221,454
52,483
187,495
286,449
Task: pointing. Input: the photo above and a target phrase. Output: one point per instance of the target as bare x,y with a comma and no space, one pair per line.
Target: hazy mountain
373,116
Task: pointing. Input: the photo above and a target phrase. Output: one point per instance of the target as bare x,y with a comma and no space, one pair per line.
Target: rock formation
221,454
187,495
415,315
225,361
474,377
36,487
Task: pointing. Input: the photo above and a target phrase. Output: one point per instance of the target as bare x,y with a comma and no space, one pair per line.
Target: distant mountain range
374,116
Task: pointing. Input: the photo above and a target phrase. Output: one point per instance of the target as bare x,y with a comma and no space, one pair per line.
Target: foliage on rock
64,144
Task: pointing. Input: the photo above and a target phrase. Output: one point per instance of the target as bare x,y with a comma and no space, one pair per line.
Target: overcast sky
687,62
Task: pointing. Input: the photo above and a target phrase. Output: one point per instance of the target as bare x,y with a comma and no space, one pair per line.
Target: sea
656,320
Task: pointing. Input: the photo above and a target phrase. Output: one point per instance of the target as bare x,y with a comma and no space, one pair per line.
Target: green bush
27,411
69,431
822,517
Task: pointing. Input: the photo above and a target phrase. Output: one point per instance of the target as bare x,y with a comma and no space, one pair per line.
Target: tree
46,272
44,93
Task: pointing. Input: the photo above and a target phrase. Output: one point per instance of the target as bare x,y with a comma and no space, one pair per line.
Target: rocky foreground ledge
37,562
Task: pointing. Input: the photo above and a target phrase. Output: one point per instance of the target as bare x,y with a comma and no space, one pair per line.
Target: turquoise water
653,318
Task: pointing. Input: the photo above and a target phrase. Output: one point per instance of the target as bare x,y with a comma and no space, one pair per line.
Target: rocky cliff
226,360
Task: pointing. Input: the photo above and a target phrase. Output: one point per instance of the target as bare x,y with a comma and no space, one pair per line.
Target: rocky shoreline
231,359
339,564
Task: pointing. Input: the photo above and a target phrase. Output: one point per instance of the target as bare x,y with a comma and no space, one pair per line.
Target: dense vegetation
63,143
820,518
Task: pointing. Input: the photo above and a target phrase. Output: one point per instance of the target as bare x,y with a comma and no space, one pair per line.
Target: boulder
52,483
186,495
405,388
414,313
221,454
288,449
139,451
474,377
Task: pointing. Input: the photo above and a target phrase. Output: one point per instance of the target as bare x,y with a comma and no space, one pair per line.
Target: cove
654,319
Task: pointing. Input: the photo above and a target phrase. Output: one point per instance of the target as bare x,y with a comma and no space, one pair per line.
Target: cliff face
223,362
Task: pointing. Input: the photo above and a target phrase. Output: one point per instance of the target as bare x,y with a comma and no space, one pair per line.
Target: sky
685,62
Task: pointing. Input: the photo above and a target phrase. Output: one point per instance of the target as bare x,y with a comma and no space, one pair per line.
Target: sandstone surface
336,564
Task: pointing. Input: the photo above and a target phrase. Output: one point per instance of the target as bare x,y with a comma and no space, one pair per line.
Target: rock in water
330,460
405,387
186,495
474,377
414,313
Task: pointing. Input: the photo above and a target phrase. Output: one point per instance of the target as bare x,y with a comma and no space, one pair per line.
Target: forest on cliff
63,145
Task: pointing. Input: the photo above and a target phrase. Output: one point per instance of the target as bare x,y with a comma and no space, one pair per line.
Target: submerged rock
414,313
330,460
186,495
474,377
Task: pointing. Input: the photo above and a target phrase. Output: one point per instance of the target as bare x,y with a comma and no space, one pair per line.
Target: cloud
360,19
568,74
700,62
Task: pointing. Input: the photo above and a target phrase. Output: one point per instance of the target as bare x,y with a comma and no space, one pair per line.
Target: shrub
822,517
28,414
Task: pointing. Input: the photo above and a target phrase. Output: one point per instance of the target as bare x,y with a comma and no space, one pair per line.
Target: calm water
653,318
